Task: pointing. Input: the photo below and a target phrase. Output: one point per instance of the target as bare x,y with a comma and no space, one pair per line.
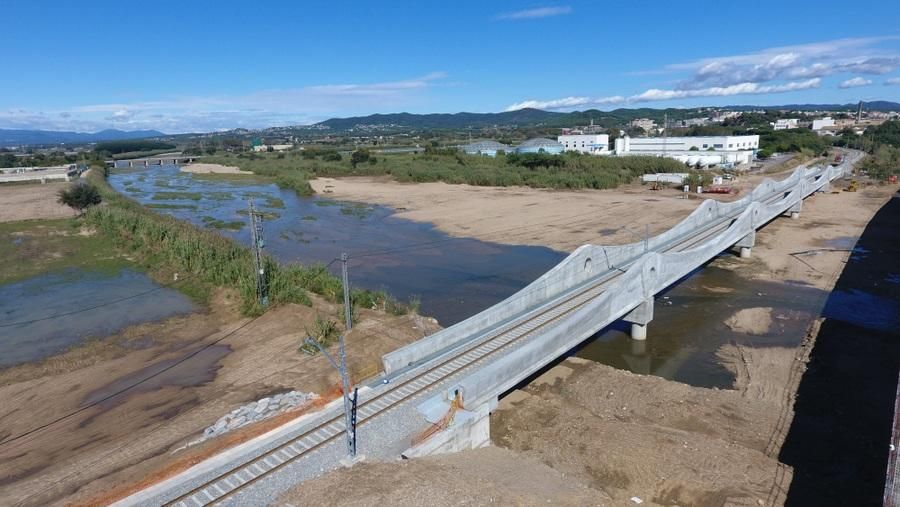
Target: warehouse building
540,145
487,148
700,150
594,144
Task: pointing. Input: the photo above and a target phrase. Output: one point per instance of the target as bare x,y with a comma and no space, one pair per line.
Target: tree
359,156
80,196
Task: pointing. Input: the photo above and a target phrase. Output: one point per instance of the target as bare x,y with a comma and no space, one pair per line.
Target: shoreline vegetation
294,170
210,260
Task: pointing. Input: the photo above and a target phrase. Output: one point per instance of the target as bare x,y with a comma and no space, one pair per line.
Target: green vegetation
274,202
80,196
309,218
883,143
215,223
155,205
173,196
121,147
40,246
569,171
209,258
324,332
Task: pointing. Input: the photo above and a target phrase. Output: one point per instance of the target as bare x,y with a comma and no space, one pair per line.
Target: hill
536,117
12,137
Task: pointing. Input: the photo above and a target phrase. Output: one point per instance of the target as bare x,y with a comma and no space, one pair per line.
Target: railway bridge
444,386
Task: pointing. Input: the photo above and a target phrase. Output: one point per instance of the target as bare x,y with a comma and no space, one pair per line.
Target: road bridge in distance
436,394
175,159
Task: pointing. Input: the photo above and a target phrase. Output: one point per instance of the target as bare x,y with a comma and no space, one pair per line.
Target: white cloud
802,61
566,103
855,82
265,108
725,91
655,94
892,81
540,12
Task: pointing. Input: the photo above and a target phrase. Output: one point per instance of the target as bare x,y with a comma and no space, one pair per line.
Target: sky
198,66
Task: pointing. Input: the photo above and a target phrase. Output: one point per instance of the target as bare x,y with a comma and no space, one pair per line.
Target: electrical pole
259,242
349,404
348,318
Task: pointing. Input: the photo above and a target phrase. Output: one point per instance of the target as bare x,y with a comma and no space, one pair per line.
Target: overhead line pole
348,318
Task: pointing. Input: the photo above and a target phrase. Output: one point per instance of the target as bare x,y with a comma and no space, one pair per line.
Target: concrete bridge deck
174,159
482,357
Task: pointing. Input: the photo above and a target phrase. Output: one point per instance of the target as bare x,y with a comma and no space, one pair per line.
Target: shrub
80,196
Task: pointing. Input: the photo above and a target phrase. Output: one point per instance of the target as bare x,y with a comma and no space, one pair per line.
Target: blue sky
201,66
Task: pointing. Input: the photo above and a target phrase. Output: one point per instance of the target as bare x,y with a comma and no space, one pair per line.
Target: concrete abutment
639,317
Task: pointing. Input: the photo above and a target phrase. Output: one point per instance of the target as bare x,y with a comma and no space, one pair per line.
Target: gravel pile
257,411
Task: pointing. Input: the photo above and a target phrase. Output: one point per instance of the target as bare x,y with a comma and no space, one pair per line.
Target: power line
130,386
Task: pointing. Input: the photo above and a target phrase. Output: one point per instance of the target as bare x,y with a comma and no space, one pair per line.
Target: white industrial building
594,144
786,123
822,123
702,150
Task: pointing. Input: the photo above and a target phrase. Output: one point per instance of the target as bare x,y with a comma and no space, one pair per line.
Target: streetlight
349,404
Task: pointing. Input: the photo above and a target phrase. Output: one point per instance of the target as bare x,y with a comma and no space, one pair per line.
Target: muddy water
690,325
454,277
105,297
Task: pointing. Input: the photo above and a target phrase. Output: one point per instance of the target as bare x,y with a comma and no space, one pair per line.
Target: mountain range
537,117
11,137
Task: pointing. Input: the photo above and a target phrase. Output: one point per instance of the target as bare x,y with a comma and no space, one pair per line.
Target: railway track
462,358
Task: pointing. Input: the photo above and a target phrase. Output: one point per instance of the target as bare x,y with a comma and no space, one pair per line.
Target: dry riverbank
201,168
562,220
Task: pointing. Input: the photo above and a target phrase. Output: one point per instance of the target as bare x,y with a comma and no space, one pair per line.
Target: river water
46,314
454,277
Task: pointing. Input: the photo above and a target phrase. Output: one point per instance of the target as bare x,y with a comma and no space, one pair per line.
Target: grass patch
309,218
357,210
162,205
175,196
230,225
32,247
274,202
265,215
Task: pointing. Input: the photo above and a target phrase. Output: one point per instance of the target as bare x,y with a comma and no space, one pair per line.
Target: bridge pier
639,317
745,244
794,211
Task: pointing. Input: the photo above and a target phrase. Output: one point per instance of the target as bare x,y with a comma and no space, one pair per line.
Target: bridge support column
825,188
639,317
130,164
745,244
794,211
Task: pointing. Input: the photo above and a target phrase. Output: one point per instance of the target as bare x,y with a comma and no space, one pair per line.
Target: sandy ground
619,434
201,168
562,220
112,444
32,201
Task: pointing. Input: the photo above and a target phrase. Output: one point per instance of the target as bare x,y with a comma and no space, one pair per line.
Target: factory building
786,124
487,148
540,145
594,144
703,150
